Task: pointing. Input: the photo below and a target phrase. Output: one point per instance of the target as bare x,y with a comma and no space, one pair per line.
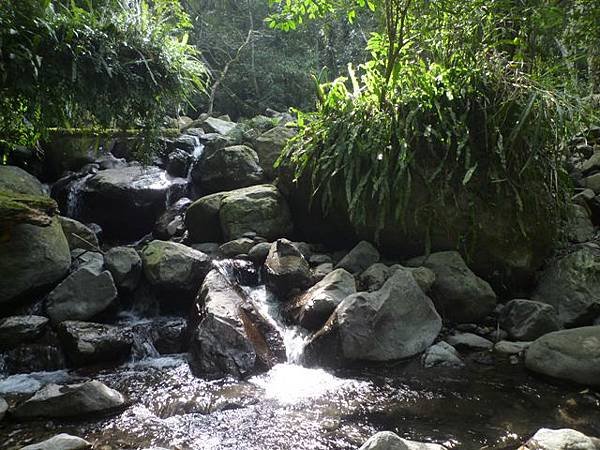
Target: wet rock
81,296
227,169
126,201
564,439
93,261
61,441
237,247
469,341
442,354
571,284
91,343
168,336
459,295
16,330
286,269
40,356
268,146
33,257
259,209
231,337
396,322
75,230
259,252
75,400
572,355
526,320
3,408
359,258
386,440
173,267
312,309
202,218
178,163
171,222
125,266
511,348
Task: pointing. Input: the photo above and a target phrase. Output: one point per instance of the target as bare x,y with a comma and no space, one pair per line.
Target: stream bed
291,407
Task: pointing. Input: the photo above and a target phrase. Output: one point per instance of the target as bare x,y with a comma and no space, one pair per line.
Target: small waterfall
74,196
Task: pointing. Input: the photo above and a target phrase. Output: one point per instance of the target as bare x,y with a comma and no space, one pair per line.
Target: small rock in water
442,354
54,401
286,269
386,440
61,441
564,439
511,348
469,341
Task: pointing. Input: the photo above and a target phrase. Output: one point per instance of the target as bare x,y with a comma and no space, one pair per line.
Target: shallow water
292,407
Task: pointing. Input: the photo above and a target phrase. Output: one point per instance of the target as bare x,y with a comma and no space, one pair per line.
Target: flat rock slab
469,341
54,401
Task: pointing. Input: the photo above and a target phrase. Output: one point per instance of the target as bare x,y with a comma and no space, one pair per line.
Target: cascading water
74,196
196,155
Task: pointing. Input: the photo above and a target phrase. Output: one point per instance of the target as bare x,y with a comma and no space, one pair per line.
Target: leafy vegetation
459,97
106,63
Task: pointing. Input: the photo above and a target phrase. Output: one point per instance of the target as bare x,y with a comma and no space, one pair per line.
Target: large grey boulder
360,258
171,266
16,330
81,296
564,439
312,309
228,168
91,343
268,146
202,218
395,322
230,336
259,209
125,201
571,284
386,440
572,355
459,295
217,125
125,266
526,320
286,269
33,257
75,400
75,230
61,441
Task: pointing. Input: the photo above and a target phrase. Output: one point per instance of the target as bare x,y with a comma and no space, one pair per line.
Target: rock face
398,321
572,355
125,266
202,218
459,295
565,439
312,309
228,168
231,337
360,258
16,330
34,256
90,343
571,284
170,266
125,201
81,296
386,440
268,146
72,228
258,209
286,269
61,441
54,401
526,320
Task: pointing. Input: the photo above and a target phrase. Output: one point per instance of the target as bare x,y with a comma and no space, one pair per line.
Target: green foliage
462,101
108,63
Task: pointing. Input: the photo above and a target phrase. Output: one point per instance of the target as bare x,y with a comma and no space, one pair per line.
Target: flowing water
74,196
490,404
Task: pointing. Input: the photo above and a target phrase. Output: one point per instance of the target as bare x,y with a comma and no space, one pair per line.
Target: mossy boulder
31,256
